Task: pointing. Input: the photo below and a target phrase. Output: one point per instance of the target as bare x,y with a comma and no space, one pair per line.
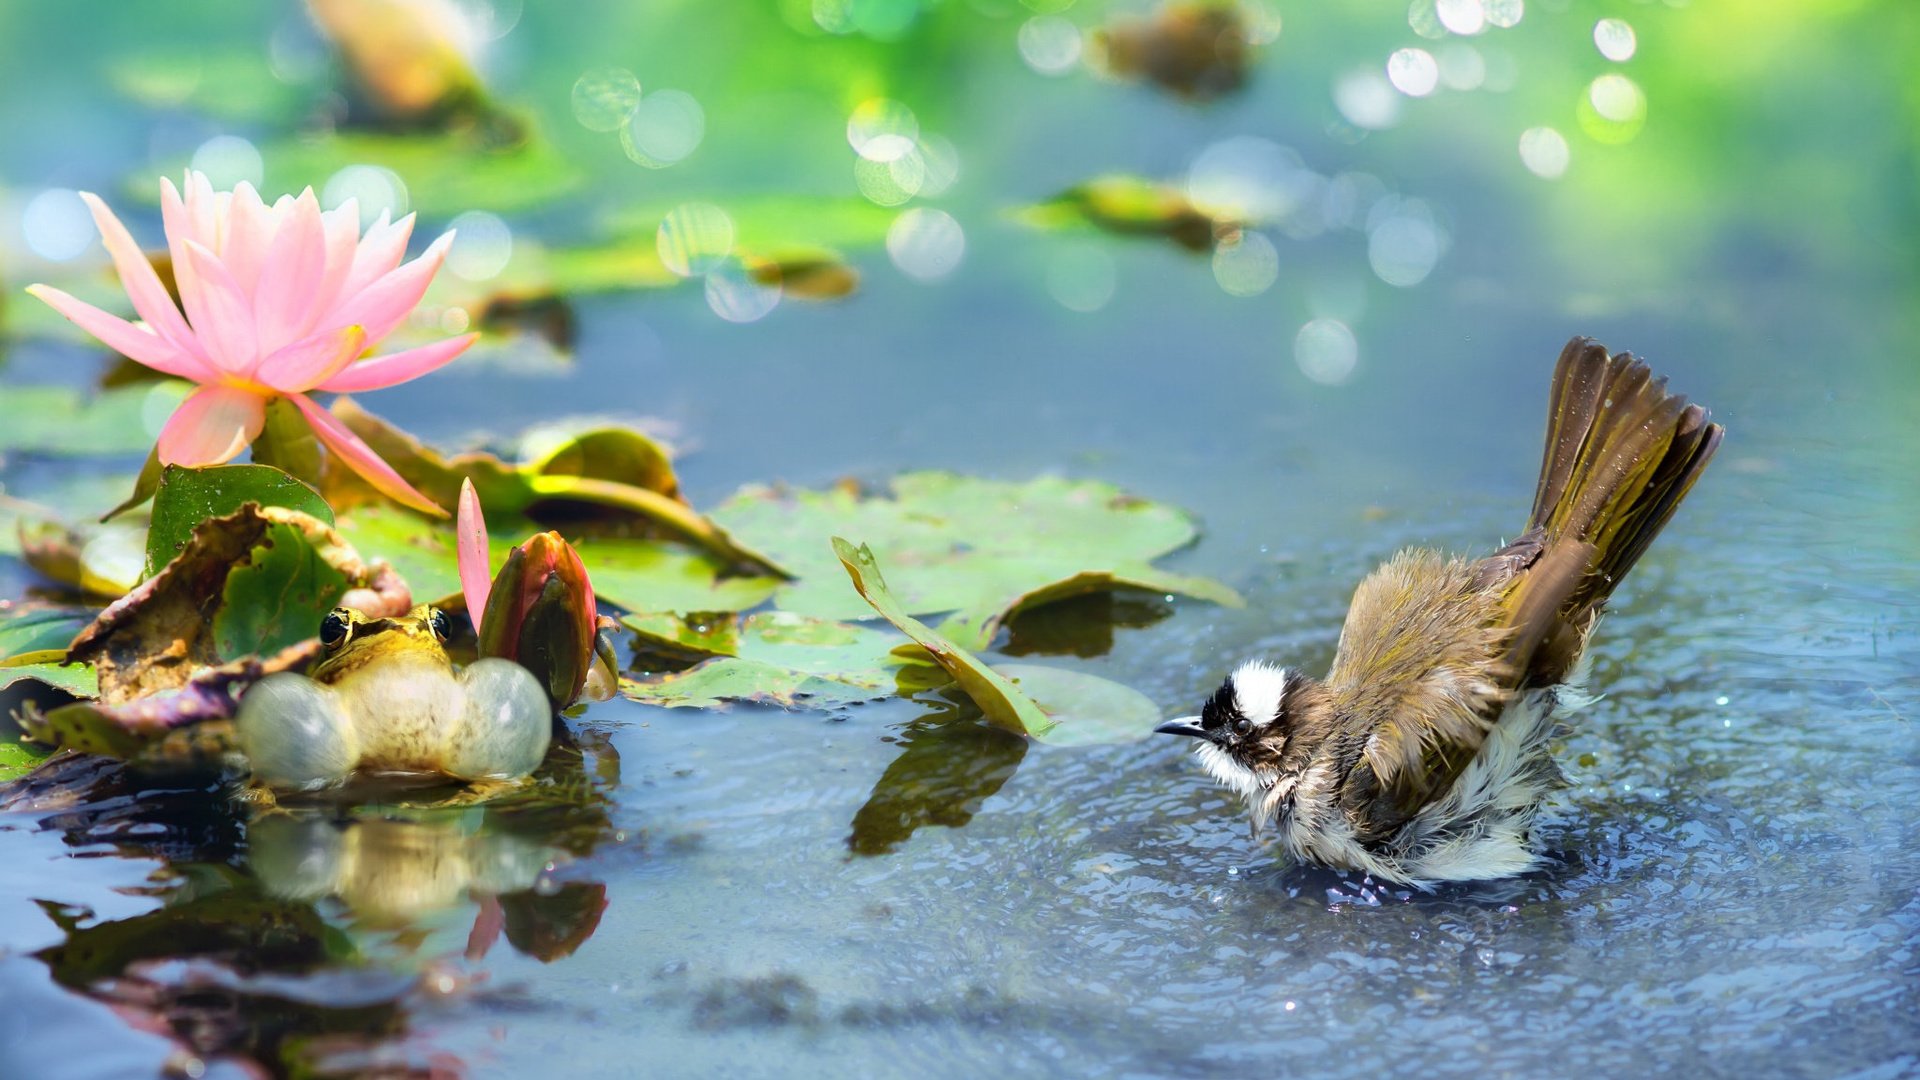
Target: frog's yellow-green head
353,640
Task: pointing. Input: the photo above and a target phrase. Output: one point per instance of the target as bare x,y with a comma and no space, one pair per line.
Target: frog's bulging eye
438,623
333,630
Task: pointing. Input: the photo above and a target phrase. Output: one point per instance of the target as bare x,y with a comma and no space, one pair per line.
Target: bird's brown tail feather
1621,453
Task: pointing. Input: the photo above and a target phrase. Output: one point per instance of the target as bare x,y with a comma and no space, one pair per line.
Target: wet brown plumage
1422,755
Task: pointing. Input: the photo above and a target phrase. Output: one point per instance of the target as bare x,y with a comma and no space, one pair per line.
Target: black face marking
1221,716
334,628
437,622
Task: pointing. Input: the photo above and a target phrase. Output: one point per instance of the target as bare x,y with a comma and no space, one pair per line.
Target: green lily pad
41,630
277,597
1079,709
17,759
76,679
187,497
1002,703
419,548
1129,206
772,657
604,471
980,548
444,174
655,576
59,420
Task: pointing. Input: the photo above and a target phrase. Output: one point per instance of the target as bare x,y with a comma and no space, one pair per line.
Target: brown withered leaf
220,593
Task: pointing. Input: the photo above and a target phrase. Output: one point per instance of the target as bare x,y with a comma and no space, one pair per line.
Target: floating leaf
998,699
1086,710
1053,705
61,420
186,497
17,759
1196,49
101,560
772,657
652,576
49,668
444,174
570,472
41,629
981,548
1131,206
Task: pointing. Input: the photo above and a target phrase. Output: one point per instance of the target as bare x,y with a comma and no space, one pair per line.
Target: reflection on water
948,766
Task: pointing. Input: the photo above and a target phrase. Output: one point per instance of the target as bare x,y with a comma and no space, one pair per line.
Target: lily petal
380,372
138,343
211,426
249,234
470,532
312,360
290,274
341,226
380,306
379,251
138,277
222,316
360,457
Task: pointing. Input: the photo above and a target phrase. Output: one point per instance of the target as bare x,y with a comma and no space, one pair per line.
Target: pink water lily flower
279,301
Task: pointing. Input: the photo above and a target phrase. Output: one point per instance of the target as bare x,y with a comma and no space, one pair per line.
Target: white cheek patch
1230,773
1258,688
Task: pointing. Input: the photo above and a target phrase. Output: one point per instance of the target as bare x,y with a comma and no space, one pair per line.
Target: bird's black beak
1185,725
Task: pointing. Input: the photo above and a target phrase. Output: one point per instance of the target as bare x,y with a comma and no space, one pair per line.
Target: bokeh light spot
664,129
1403,242
1246,266
890,183
482,246
940,165
1615,39
604,97
1262,19
1466,17
1049,44
1082,277
229,160
926,244
57,224
1366,99
1504,14
882,130
1544,152
739,295
1326,352
373,187
1424,20
694,238
1461,67
1613,110
1245,178
1413,72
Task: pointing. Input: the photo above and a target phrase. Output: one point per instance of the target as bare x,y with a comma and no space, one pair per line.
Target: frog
385,698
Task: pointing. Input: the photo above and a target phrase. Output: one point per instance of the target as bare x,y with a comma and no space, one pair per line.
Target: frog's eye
333,630
437,622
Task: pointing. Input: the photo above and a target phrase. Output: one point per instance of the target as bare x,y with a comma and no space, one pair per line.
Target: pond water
897,889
